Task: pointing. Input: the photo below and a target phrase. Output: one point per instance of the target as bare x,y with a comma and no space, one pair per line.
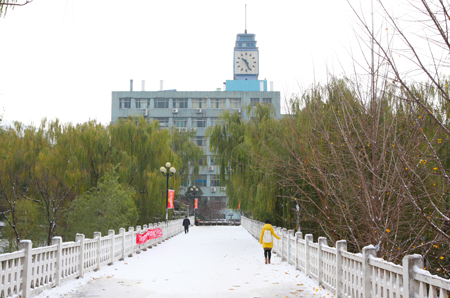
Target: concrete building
198,110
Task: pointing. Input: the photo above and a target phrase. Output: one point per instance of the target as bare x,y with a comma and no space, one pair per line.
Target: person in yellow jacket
267,246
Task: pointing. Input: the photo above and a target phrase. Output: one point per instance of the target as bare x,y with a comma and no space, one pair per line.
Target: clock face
246,62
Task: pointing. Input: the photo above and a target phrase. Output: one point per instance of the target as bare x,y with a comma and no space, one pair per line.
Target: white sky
62,59
220,261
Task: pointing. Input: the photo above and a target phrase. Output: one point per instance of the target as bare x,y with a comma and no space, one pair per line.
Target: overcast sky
63,58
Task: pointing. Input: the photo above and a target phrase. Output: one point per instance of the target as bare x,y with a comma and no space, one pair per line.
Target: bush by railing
353,275
32,270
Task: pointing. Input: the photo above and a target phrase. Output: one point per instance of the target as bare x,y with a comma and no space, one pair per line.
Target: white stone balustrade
353,275
30,270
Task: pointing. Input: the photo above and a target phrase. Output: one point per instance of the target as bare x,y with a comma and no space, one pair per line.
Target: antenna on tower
245,18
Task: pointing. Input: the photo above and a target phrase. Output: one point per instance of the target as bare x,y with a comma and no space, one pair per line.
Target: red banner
239,206
150,234
171,195
196,204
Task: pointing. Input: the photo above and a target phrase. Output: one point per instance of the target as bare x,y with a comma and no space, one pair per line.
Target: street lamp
167,171
194,190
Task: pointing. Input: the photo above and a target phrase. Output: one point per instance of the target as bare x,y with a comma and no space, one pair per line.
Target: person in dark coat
186,224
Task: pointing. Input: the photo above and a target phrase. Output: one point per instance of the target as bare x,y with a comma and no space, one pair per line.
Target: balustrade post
112,233
169,224
322,241
132,241
308,239
341,245
280,242
58,266
164,229
366,270
155,241
26,245
138,246
150,242
410,287
122,235
298,236
80,239
144,230
283,242
275,241
98,236
289,234
160,239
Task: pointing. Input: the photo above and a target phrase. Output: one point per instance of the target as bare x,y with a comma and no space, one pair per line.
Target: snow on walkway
218,261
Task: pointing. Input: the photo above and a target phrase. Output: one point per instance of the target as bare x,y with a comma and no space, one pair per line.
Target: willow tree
18,203
242,161
56,176
141,148
182,144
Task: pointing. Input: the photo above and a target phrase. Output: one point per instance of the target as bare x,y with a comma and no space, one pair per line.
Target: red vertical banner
171,195
239,206
196,204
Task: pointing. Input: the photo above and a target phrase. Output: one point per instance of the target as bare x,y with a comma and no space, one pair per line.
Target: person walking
186,224
266,239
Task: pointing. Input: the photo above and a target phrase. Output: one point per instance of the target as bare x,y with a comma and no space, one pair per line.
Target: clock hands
246,62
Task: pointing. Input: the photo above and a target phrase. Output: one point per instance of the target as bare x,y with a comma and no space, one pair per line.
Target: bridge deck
215,261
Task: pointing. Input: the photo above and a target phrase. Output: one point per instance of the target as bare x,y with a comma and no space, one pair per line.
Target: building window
235,103
218,103
163,122
199,103
239,44
199,122
125,103
215,121
221,200
254,101
214,160
180,122
200,180
267,101
161,103
200,141
202,161
142,103
180,103
214,180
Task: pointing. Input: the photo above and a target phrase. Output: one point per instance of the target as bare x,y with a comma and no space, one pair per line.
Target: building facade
198,110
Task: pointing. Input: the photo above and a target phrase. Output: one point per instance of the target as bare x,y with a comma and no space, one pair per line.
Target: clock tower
246,57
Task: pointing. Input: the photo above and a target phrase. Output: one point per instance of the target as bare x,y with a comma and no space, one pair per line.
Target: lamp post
167,171
194,190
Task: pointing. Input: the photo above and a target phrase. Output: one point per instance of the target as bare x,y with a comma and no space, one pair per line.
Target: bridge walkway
209,261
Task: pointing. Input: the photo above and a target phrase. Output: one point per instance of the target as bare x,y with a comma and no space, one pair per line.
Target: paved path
206,262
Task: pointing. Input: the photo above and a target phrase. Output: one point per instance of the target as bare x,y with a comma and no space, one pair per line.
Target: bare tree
5,4
211,210
416,51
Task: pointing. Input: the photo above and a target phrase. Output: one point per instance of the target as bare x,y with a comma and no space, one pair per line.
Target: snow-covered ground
214,261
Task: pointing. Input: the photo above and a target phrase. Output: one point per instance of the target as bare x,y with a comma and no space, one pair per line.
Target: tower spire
245,18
